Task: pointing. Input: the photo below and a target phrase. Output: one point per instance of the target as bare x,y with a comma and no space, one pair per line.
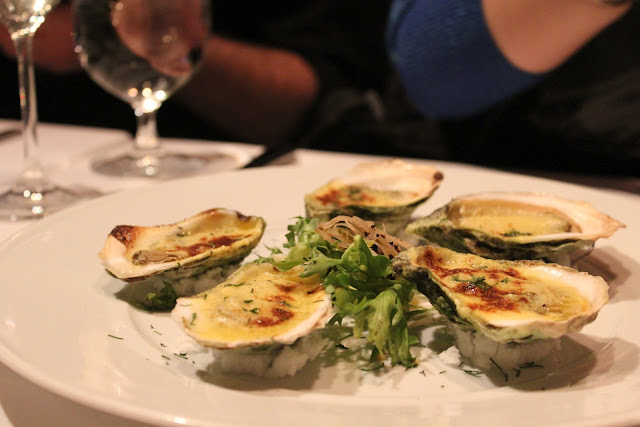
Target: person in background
267,71
551,84
65,93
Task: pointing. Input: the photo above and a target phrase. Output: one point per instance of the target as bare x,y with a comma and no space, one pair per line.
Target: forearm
538,35
256,93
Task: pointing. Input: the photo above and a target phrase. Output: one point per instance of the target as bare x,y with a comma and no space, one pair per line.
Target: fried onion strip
341,230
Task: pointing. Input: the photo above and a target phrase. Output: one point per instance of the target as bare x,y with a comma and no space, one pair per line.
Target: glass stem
32,177
147,132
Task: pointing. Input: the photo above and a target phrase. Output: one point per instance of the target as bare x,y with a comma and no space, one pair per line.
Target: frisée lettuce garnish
362,285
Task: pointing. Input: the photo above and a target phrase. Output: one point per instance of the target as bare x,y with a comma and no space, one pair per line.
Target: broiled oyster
258,305
213,238
385,192
516,226
505,300
499,305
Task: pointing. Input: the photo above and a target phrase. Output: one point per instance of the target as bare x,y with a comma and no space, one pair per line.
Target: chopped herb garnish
526,366
193,318
248,301
181,355
166,357
164,299
375,368
342,346
531,365
235,284
255,310
474,281
515,233
115,337
442,372
506,377
473,372
423,373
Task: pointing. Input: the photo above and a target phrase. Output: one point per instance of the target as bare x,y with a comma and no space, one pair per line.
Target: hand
162,31
53,48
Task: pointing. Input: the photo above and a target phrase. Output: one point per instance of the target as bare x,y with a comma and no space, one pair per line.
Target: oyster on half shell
258,305
505,301
385,192
213,238
516,226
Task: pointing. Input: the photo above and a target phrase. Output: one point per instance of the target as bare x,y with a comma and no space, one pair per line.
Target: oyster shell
258,305
516,226
213,238
386,192
506,301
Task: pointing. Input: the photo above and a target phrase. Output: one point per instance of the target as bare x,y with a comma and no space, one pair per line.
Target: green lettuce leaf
362,285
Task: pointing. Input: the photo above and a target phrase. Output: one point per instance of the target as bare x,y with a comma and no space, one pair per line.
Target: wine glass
33,195
143,51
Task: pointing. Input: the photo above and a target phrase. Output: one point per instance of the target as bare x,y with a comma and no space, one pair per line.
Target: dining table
67,151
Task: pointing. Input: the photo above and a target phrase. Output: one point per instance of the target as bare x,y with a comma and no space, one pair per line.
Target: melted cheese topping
257,302
493,292
509,219
211,231
339,195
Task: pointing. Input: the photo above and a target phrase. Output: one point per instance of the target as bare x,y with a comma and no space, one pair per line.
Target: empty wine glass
142,51
32,195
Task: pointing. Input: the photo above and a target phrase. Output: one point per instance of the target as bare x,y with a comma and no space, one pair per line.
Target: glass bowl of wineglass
33,194
143,51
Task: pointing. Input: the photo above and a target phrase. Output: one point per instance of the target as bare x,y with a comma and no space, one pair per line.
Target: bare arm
538,35
240,84
255,93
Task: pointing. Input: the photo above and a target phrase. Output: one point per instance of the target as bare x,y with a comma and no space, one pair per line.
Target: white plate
59,315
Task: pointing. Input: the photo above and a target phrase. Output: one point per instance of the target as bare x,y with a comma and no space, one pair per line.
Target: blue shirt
447,59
